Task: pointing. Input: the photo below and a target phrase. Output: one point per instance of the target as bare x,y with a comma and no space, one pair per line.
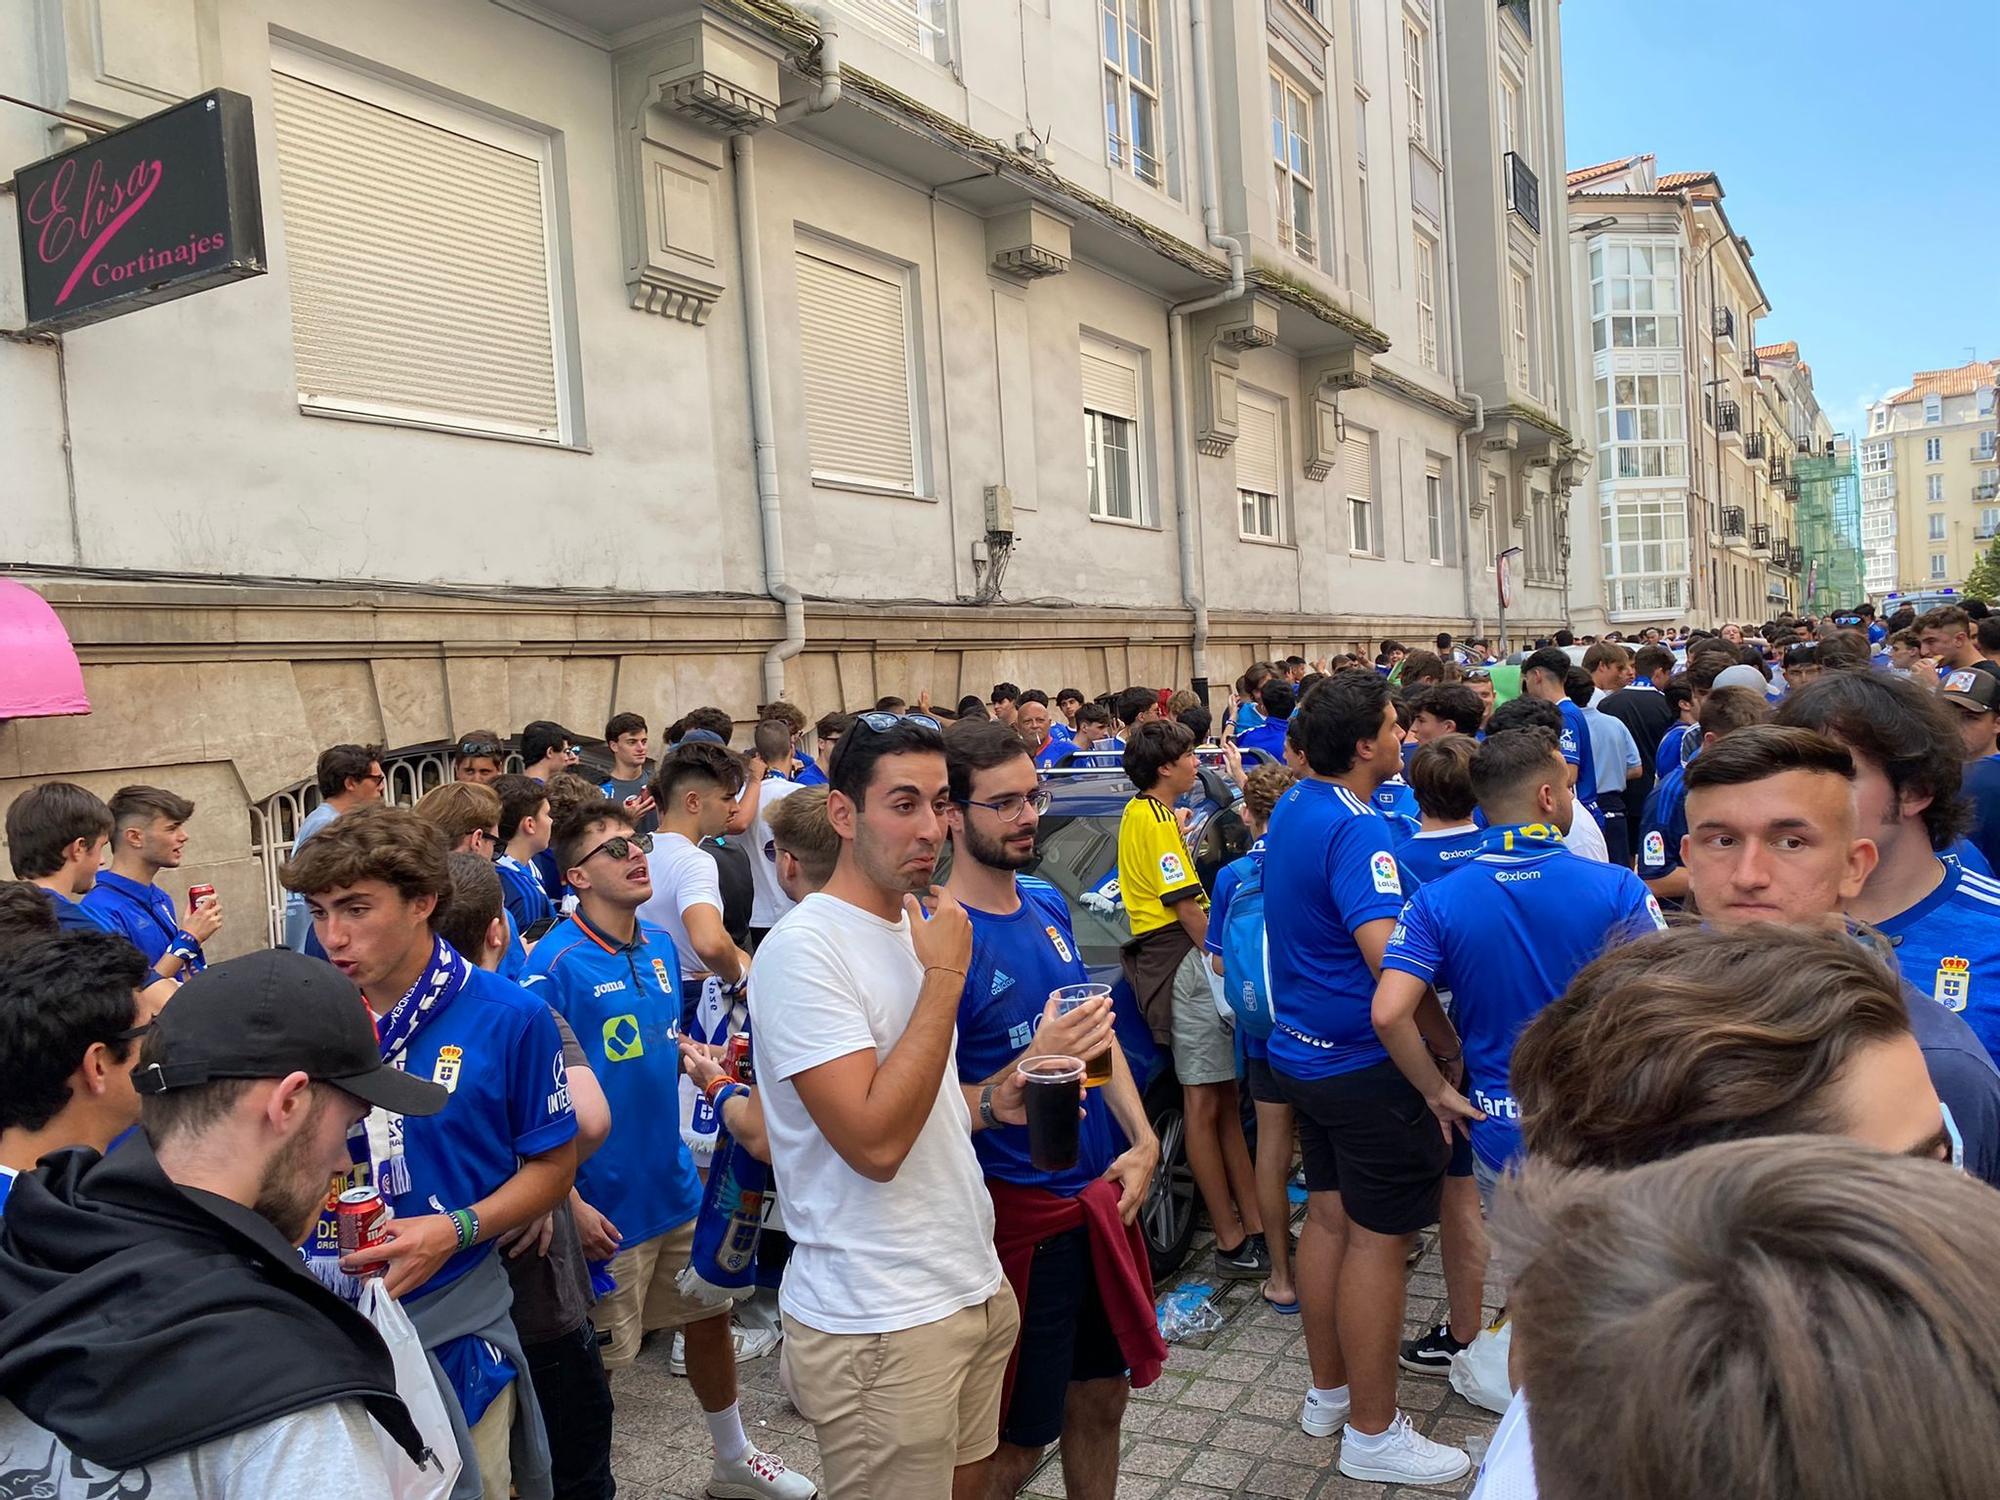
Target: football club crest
1382,870
1056,941
1954,983
445,1074
667,986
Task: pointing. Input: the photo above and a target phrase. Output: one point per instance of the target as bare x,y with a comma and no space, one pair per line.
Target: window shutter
854,344
419,264
1357,464
1257,463
1110,385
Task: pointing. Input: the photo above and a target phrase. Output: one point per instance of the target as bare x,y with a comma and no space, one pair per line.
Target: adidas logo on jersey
1001,984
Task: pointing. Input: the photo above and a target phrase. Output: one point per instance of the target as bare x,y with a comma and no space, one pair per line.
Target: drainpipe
763,423
1186,498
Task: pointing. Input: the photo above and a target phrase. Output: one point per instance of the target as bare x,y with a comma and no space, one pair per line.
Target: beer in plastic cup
1096,1070
1052,1088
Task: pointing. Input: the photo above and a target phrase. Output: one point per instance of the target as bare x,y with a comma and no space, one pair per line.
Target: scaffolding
1829,517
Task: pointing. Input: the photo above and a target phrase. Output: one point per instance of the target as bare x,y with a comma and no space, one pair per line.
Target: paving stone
1211,1395
1290,1481
1226,1470
1246,1435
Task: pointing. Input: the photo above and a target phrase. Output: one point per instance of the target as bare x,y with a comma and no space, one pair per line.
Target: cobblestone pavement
1222,1420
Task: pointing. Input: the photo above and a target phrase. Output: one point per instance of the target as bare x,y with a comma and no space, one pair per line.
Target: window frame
1520,326
1934,489
1279,534
1663,322
1365,540
1288,95
1660,558
1423,281
1938,567
903,277
1937,529
1417,80
1096,449
1122,85
1435,517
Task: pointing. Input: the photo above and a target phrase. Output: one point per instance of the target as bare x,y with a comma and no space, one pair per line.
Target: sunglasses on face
620,846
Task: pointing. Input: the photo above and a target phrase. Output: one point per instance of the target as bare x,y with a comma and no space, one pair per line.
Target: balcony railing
1984,492
1753,445
1753,367
1760,538
1732,520
1524,190
1804,446
1725,323
1728,416
1985,450
1780,469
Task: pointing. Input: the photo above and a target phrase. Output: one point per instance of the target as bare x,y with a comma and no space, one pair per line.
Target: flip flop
1288,1309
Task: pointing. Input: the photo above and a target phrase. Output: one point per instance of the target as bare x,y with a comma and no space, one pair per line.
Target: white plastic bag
418,1388
1479,1370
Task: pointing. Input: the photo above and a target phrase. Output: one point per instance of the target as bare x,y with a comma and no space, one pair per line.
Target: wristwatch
986,1115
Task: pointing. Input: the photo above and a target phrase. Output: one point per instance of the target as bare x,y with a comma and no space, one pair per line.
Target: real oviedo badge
1954,983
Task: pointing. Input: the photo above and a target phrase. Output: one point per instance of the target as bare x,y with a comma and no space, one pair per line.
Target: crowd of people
1571,955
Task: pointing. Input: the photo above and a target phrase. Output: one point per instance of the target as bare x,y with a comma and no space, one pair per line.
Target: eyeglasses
494,848
377,777
1008,809
620,846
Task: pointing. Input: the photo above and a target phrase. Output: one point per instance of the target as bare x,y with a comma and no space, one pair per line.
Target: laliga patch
1954,983
445,1074
1656,848
1653,910
1056,941
1382,870
1172,870
667,986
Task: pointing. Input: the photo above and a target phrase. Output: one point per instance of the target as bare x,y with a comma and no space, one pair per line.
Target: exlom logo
1496,1106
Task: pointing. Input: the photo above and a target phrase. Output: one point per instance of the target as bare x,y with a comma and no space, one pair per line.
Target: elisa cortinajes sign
165,206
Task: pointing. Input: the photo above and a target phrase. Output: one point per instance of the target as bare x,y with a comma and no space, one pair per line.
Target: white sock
1335,1397
725,1430
1367,1442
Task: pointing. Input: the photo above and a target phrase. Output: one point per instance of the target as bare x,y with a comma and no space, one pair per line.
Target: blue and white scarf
378,1140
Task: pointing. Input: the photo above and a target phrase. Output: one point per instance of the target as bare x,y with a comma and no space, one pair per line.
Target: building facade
1930,479
652,353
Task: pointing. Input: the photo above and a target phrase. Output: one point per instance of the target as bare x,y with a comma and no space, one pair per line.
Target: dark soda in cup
1052,1089
1096,1070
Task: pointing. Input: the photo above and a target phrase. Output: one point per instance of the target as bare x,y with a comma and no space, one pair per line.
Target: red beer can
361,1220
198,894
736,1059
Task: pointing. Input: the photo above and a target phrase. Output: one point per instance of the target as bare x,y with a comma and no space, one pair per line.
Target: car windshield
1079,857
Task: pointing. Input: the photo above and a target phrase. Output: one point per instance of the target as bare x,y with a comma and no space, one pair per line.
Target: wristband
943,969
466,1222
986,1115
719,1089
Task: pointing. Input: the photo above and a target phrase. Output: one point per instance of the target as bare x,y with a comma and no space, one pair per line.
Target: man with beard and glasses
500,1157
898,1320
1068,1240
158,1335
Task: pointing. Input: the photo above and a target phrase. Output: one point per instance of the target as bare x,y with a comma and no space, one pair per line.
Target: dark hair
1727,710
340,764
391,844
1420,664
540,738
459,808
1803,654
793,716
1035,695
1389,645
57,997
1132,702
1607,654
1578,687
1005,692
1651,659
714,720
1337,716
573,829
1704,667
971,747
1069,694
1696,1035
890,704
26,915
566,790
1899,726
972,706
520,797
619,724
1761,751
1549,659
1277,698
469,906
1452,704
46,819
141,804
1197,720
1153,746
697,762
1441,776
1678,695
832,726
1258,673
1526,713
772,740
1945,617
1094,713
1506,763
1565,637
850,770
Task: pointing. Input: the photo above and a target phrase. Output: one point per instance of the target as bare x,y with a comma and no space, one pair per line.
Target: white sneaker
1320,1419
677,1362
751,1343
1404,1456
758,1476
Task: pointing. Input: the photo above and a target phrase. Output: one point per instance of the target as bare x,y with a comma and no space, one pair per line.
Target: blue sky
1855,143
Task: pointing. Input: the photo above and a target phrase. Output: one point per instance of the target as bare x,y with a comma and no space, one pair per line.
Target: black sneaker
1249,1261
1431,1354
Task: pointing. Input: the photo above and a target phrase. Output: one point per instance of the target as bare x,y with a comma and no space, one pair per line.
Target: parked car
1077,852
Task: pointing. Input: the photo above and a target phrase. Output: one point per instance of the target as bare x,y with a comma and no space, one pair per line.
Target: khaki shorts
895,1413
1203,1052
646,1299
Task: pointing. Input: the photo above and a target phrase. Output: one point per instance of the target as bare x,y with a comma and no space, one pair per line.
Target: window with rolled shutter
1110,385
1357,467
1258,470
419,245
854,343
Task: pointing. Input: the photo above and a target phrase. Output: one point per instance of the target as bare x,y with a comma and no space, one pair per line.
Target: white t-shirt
771,902
1509,1470
868,1257
1585,837
684,875
330,1449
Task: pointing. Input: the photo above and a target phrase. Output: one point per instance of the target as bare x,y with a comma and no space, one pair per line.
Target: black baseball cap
269,1014
1976,688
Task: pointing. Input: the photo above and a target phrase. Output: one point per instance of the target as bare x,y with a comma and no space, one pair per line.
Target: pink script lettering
63,215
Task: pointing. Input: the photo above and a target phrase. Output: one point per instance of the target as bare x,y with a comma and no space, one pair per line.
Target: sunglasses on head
1479,674
473,748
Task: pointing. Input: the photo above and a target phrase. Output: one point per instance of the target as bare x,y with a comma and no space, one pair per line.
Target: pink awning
39,674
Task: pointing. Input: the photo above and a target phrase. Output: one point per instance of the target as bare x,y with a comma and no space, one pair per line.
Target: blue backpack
1246,956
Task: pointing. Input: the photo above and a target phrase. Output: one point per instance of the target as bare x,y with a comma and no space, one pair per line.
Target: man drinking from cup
1068,1239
